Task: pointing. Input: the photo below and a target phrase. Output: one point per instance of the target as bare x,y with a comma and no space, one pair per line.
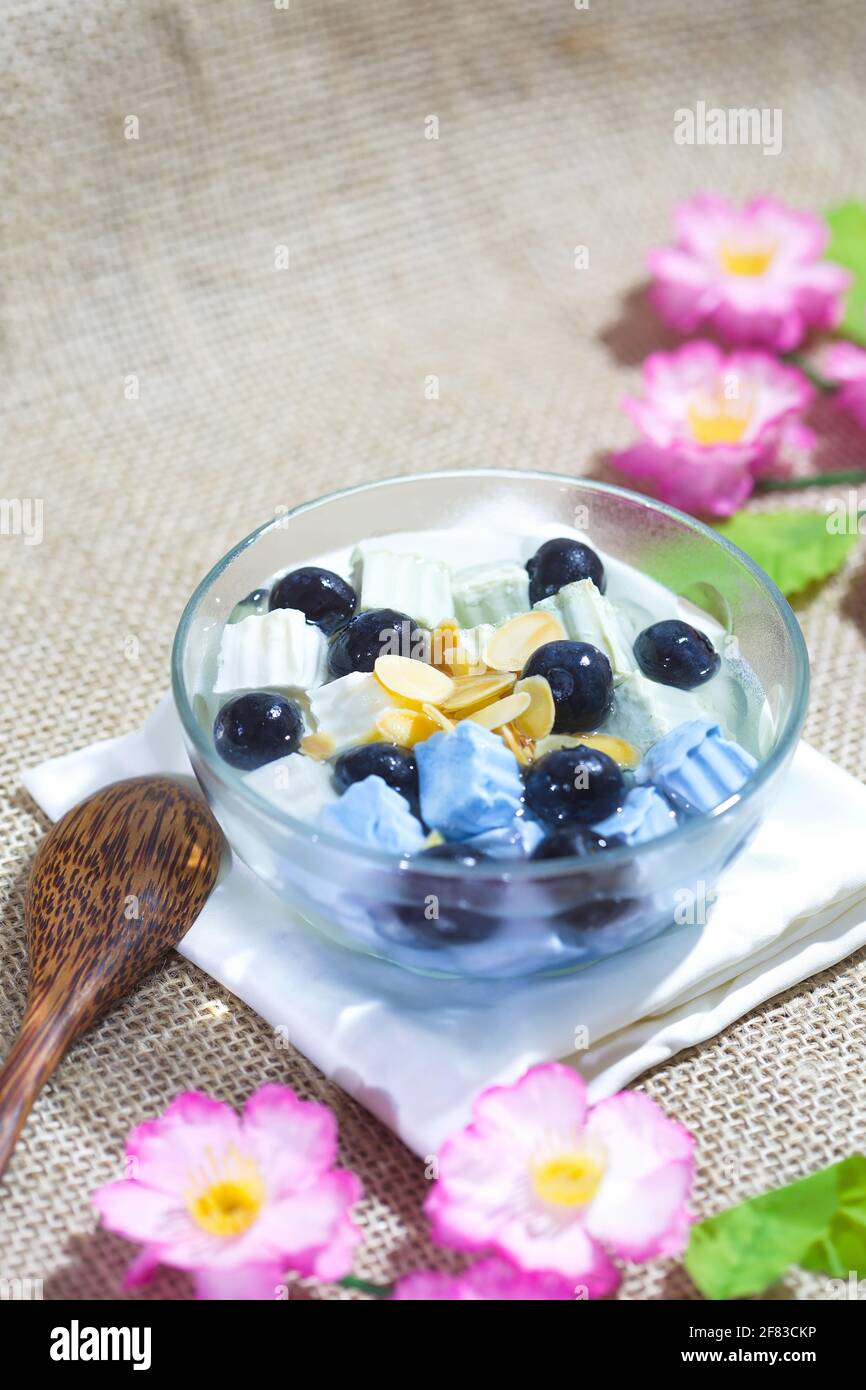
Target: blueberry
358,644
255,604
580,680
570,840
453,926
675,653
559,562
394,765
253,729
591,915
450,912
574,785
322,596
466,855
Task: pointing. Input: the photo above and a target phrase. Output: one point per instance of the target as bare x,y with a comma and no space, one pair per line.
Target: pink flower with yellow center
845,365
237,1200
553,1186
488,1280
752,274
711,422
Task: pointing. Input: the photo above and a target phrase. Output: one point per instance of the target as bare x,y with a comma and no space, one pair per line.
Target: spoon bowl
115,884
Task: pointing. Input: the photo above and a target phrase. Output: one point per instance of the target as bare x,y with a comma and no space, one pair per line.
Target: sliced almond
470,692
318,746
438,717
413,680
537,722
448,651
522,748
501,711
622,753
442,638
554,741
405,727
512,645
617,748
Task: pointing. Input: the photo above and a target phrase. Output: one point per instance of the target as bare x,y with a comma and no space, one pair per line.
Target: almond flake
521,747
512,645
405,727
413,680
616,748
470,692
454,651
318,746
537,722
501,711
438,717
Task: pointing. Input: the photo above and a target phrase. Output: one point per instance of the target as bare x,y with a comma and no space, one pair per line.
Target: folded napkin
417,1050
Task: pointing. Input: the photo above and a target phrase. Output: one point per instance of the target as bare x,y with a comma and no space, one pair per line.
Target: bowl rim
685,832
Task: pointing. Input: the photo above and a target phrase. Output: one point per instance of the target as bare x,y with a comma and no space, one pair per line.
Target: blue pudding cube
645,813
695,767
372,814
514,841
469,781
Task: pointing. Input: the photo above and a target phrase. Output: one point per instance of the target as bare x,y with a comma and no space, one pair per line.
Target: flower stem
816,378
845,475
364,1286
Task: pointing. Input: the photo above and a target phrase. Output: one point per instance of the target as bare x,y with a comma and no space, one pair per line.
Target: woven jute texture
238,271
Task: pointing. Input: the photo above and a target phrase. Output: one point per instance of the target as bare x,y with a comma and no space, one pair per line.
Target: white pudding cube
279,649
414,585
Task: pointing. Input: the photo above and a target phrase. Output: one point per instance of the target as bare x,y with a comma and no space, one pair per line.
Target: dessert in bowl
489,723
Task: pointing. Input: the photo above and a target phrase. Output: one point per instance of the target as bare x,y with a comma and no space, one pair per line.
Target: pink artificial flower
845,365
237,1200
554,1186
712,422
754,274
491,1280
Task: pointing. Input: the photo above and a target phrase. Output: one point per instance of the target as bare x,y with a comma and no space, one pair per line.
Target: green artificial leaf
818,1222
841,1250
847,223
795,547
743,1250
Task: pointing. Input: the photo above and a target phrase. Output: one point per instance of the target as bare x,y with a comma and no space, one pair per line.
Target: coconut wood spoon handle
115,884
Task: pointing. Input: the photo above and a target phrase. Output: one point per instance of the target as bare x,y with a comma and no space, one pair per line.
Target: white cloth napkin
416,1050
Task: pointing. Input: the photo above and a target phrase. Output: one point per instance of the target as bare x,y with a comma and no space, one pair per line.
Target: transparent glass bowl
514,918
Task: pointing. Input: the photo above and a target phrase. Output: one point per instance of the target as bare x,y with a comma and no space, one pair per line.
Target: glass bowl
500,919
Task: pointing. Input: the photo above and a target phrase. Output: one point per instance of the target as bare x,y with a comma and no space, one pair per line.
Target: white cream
297,784
733,697
347,709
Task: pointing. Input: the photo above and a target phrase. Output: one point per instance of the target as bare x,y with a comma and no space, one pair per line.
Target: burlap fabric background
166,387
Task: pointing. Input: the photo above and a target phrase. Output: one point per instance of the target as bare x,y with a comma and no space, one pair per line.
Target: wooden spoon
115,884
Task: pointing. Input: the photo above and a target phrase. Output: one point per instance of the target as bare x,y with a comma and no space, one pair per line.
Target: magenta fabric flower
845,365
753,274
488,1280
711,423
553,1186
237,1200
